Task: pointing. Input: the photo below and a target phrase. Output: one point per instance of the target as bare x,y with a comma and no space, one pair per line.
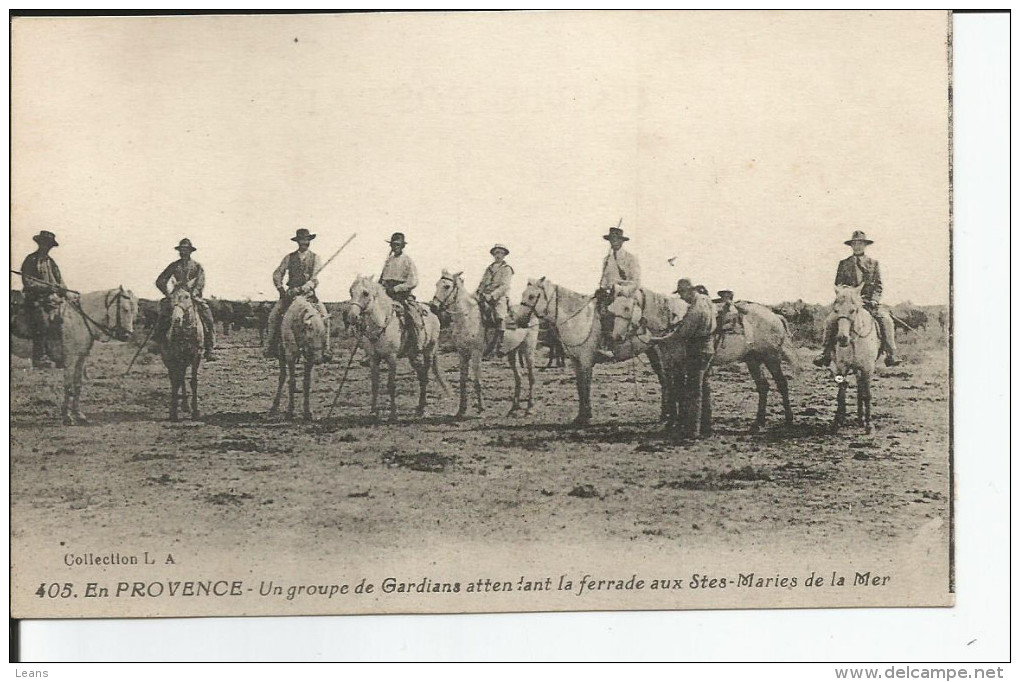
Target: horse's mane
844,292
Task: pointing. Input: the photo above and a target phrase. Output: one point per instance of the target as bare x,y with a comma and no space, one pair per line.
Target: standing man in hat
619,266
301,268
854,271
492,295
400,277
696,330
44,290
182,271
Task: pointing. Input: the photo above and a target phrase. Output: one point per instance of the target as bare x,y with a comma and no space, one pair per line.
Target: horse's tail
438,373
787,349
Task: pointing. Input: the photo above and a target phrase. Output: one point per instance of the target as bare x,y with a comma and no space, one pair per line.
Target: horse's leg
374,374
511,359
423,381
840,407
476,361
528,359
582,375
174,389
391,385
79,381
65,411
291,384
656,362
462,406
762,386
279,387
306,412
194,388
775,366
864,396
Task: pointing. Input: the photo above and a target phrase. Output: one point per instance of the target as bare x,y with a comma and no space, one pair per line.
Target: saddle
412,315
730,322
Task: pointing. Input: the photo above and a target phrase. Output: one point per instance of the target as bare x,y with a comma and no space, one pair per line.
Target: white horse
381,330
856,351
469,338
758,337
577,322
77,323
302,335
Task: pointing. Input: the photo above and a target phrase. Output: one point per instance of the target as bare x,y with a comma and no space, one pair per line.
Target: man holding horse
187,273
697,330
619,266
492,295
44,292
399,277
854,271
301,267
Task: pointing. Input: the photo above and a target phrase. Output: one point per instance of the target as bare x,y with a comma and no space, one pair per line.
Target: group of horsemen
297,275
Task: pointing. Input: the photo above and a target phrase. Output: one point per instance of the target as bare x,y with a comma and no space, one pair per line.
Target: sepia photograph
475,312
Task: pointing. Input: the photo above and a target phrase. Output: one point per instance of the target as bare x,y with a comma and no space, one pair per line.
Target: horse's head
447,289
363,292
846,307
535,301
626,311
182,304
121,311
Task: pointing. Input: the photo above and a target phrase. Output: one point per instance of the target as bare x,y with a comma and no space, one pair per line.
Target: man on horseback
492,295
44,292
182,271
697,330
619,266
301,268
855,271
399,278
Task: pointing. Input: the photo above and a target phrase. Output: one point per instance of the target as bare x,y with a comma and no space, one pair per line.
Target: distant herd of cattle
232,316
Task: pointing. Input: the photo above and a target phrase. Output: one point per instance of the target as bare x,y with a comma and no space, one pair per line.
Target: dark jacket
853,272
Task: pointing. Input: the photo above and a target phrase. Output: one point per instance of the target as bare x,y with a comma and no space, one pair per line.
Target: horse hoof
307,416
581,421
756,428
68,420
80,418
868,428
290,416
195,416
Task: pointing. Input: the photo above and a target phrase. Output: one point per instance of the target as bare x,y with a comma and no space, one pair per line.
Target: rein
555,321
112,333
382,327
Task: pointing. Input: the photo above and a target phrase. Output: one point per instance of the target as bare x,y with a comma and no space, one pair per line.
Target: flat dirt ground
236,480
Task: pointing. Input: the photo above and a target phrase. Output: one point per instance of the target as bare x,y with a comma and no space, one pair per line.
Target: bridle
451,295
117,331
635,330
362,320
555,322
852,322
115,300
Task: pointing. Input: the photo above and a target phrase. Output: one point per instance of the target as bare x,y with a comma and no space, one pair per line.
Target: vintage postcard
480,312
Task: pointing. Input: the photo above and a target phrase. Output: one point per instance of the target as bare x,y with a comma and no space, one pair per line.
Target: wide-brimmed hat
615,233
47,237
858,236
302,233
683,284
397,238
724,293
501,247
185,245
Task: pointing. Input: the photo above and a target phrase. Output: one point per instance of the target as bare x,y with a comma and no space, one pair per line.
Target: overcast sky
746,145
